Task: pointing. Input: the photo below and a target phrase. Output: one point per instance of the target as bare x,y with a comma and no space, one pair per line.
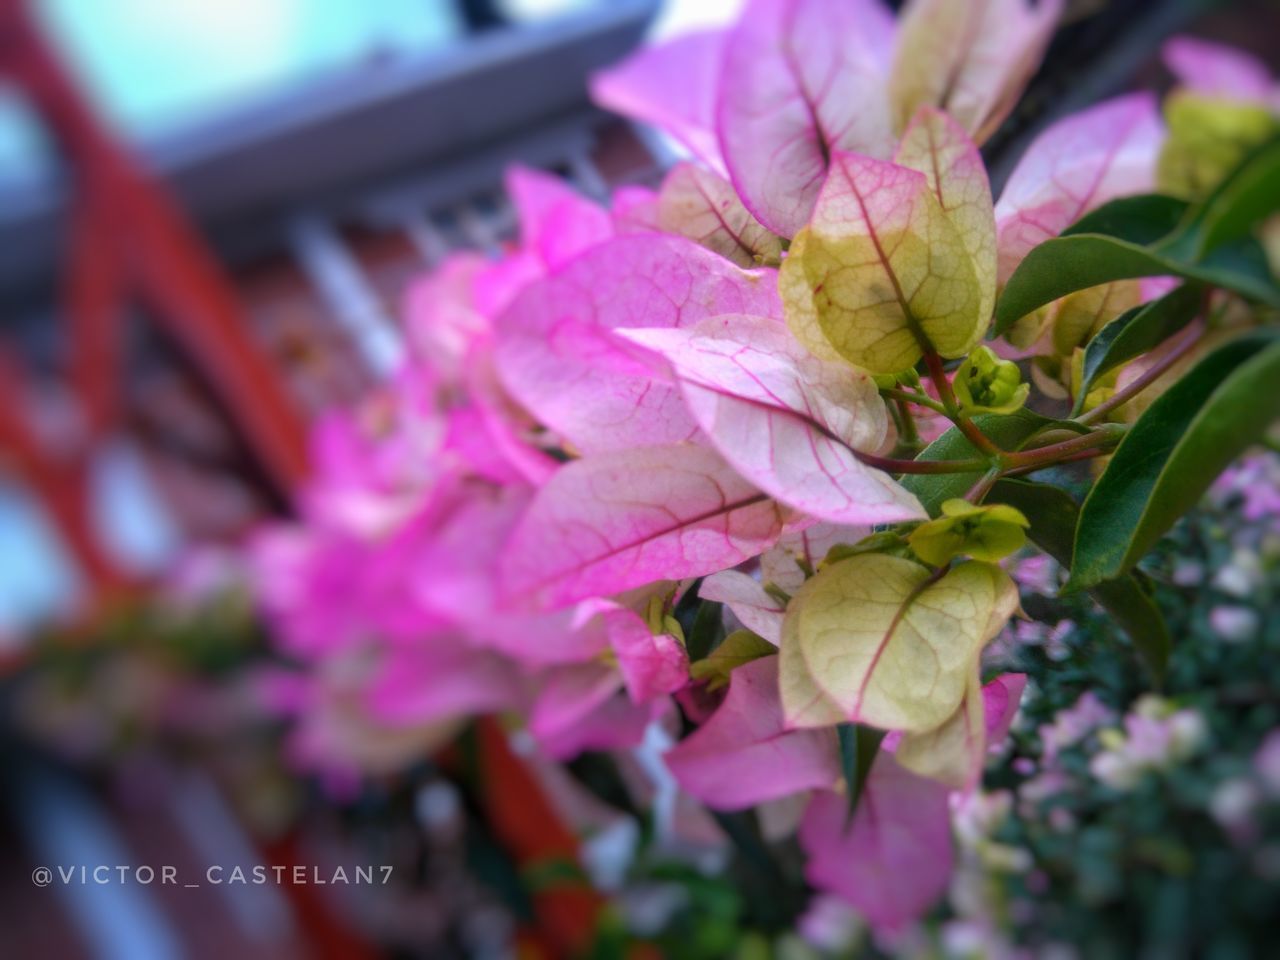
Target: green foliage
1135,332
1053,513
1173,452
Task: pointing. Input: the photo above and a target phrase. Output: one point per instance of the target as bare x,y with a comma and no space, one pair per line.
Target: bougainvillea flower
801,80
874,639
753,605
557,357
788,422
882,271
615,521
1216,70
954,753
671,86
893,859
700,204
744,755
556,222
1075,166
970,58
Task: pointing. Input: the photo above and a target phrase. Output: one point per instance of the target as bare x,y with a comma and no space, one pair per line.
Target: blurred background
209,213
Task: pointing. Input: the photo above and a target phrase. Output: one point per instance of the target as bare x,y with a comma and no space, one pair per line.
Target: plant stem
1145,380
919,399
983,486
1073,458
892,465
1095,441
966,426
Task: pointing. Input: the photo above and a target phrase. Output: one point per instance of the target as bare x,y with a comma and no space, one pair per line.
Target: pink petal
635,210
788,422
780,564
556,356
697,203
1001,699
672,87
440,678
801,79
894,860
1217,70
580,707
651,665
618,520
971,58
750,602
742,755
1075,166
556,222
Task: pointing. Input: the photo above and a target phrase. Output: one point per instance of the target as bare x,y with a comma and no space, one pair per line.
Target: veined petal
672,86
758,610
970,57
743,755
703,206
554,352
788,422
618,520
939,148
556,222
893,861
888,645
801,79
881,271
1074,166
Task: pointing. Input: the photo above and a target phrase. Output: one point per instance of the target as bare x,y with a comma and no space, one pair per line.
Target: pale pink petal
635,210
781,565
439,678
971,58
790,423
754,607
671,86
581,707
801,79
1001,699
894,860
651,665
1217,70
1075,166
618,520
506,426
441,317
557,356
700,204
556,222
742,755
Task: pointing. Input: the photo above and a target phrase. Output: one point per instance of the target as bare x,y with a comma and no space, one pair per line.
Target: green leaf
859,746
1144,219
1174,451
739,647
1053,514
1069,263
1248,195
1009,432
1136,331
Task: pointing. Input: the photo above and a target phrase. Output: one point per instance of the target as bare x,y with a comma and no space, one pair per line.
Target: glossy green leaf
1069,263
1053,514
1008,432
1174,451
1144,219
1247,196
739,647
859,746
1136,331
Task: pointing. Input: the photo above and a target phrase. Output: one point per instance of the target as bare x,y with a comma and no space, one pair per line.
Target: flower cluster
629,477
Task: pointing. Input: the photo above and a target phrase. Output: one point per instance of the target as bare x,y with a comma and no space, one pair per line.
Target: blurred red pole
130,238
